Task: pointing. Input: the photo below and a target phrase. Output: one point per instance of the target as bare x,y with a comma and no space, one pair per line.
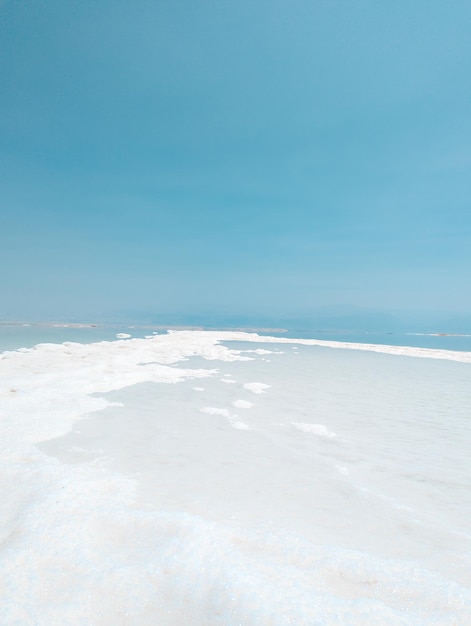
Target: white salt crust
256,387
211,410
242,404
316,429
76,549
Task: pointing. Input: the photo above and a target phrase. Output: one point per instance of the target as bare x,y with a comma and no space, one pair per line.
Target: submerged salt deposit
321,486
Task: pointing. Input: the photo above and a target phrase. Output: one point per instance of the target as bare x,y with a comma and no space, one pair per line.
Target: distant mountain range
319,320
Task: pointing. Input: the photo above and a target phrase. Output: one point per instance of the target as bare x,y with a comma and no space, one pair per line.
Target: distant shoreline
143,326
252,329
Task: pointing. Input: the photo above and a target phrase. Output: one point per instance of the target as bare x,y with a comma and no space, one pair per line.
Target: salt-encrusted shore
318,485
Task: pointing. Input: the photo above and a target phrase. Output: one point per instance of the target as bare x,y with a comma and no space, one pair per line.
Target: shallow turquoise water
416,340
14,336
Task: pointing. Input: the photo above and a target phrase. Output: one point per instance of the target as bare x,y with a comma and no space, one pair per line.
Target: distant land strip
142,326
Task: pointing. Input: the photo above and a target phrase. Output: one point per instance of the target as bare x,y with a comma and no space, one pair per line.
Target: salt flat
227,478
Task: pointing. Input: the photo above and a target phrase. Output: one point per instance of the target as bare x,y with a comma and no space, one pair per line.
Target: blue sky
262,158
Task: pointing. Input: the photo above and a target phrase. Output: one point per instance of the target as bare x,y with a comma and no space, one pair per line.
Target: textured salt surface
256,387
133,495
315,429
242,404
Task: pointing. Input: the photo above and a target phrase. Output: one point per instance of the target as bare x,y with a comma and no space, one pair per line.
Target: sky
264,159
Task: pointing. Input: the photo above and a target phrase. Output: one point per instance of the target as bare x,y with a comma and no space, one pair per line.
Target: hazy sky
243,157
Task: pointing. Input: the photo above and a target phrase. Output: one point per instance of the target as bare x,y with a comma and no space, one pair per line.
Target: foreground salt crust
59,378
78,547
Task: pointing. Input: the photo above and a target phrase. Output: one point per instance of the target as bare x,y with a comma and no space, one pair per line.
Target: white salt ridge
127,336
256,387
260,351
426,353
48,387
316,429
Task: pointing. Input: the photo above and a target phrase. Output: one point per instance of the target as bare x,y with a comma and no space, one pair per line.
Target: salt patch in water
256,387
316,429
242,404
240,425
215,411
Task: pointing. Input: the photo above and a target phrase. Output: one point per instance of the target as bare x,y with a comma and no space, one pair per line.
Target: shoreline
203,327
146,326
216,337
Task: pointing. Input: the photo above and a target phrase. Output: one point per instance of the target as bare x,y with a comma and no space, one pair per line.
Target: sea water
26,335
15,336
229,478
